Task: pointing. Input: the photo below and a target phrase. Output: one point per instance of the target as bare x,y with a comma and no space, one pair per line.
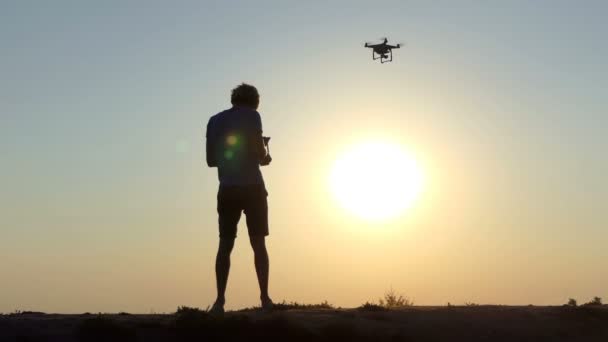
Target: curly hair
245,95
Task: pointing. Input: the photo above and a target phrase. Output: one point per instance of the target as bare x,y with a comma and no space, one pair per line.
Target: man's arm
259,146
210,145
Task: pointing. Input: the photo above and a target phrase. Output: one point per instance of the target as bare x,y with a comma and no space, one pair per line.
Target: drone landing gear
382,57
374,55
384,60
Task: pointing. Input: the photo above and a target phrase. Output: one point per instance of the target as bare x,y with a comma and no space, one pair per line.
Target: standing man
236,147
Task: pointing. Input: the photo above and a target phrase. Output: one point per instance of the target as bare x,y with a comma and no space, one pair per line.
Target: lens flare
232,140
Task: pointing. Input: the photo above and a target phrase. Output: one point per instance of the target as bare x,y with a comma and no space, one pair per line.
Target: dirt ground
476,323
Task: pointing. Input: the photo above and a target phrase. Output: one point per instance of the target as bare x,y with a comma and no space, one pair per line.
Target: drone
382,51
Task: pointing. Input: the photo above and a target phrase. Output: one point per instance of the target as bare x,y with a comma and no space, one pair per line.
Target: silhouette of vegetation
185,314
26,312
572,302
371,307
393,300
470,304
596,301
284,305
100,329
295,305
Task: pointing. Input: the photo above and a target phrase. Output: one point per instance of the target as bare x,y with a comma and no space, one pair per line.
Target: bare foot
217,309
267,304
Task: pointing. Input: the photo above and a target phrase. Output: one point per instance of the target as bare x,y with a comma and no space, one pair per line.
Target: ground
454,323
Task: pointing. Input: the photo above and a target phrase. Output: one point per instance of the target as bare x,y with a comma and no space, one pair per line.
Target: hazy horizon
107,204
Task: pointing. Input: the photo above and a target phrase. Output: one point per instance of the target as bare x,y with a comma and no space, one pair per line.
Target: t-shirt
233,145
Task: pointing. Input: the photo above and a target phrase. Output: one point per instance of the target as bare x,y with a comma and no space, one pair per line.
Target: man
236,147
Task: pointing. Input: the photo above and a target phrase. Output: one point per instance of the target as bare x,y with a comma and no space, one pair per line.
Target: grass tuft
596,301
284,306
371,307
391,300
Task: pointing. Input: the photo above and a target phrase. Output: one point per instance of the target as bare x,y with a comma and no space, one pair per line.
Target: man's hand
266,160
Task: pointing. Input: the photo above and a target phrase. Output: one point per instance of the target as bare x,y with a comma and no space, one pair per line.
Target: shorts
250,199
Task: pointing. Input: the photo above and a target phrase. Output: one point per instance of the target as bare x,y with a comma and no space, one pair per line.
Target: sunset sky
106,202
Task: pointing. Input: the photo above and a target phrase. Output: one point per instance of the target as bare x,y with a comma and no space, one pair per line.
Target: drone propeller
381,39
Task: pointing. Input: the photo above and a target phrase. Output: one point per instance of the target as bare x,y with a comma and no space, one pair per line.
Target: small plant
596,301
371,307
572,302
471,304
392,300
185,312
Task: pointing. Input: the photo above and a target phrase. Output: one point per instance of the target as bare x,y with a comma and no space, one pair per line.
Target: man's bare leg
222,269
262,265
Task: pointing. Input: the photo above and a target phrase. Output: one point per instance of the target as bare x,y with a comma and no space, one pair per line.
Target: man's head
245,95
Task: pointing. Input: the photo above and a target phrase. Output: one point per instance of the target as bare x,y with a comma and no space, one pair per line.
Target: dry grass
284,305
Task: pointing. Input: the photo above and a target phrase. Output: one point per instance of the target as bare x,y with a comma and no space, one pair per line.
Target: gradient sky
107,204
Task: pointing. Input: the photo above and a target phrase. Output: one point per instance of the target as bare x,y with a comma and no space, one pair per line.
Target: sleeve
210,142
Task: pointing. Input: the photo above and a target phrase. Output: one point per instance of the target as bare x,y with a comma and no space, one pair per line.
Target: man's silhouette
236,147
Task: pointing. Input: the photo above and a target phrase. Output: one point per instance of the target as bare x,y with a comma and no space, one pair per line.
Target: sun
376,180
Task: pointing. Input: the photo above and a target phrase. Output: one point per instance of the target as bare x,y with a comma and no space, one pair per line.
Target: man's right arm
260,148
210,144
